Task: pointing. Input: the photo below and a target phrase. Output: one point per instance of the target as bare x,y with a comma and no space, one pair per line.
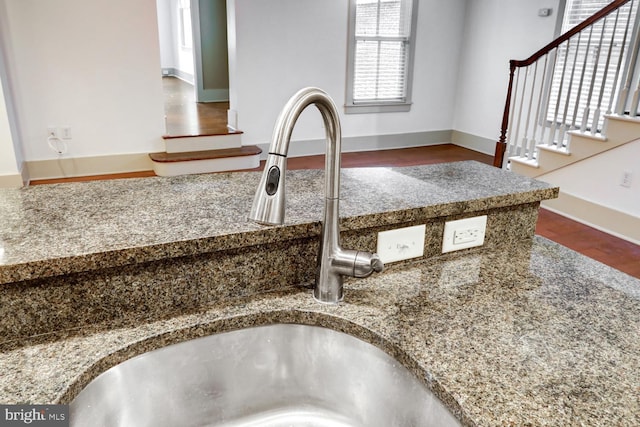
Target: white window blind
381,51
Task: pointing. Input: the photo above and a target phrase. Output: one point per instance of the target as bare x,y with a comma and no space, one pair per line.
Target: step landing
206,161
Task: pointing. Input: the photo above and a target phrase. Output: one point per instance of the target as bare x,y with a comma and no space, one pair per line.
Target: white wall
284,45
597,179
10,152
172,54
95,65
8,160
496,31
91,65
167,34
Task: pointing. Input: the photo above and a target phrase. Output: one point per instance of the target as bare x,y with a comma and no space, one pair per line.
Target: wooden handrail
501,144
611,7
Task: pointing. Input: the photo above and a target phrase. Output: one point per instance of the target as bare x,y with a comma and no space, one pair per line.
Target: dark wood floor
618,253
603,247
186,117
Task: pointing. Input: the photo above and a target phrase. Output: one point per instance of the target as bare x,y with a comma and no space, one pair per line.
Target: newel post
501,144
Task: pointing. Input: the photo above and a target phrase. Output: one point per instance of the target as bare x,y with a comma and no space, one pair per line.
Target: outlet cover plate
401,243
464,233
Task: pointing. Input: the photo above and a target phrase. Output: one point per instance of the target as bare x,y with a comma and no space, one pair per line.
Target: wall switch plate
464,233
402,243
544,12
65,132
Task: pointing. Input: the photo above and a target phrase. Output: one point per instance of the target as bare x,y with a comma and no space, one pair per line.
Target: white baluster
605,74
554,125
620,57
628,69
526,143
587,110
510,138
584,69
532,147
517,135
563,127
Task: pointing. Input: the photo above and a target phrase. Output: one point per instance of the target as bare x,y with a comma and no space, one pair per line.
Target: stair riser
203,143
525,170
206,166
550,160
620,130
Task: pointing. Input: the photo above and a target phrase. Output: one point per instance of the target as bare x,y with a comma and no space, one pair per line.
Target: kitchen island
519,332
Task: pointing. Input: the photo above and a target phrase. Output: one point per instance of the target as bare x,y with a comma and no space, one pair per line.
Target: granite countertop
66,228
530,333
533,335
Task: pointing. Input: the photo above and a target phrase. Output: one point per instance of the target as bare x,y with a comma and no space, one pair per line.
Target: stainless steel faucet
269,202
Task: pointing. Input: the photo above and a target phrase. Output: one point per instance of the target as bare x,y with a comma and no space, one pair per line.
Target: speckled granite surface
520,332
532,335
66,228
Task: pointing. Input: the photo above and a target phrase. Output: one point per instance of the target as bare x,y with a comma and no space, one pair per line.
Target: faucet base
327,299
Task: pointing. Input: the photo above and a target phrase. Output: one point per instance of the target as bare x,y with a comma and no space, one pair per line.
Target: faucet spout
269,202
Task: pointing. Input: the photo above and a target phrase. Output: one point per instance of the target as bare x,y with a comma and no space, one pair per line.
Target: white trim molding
600,217
88,166
11,181
473,142
312,147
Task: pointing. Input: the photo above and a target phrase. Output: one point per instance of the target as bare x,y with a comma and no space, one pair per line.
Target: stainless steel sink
277,375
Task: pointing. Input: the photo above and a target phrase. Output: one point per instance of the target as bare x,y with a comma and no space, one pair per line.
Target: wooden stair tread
245,150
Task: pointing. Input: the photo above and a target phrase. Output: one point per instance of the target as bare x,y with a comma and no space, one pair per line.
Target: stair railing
571,84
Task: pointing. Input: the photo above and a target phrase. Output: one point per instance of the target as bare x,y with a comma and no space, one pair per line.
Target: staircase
194,154
572,112
579,146
200,137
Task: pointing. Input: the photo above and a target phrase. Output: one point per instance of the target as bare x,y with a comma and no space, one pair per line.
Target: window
380,55
186,33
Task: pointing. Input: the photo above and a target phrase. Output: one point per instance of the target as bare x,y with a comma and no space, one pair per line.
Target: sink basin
277,375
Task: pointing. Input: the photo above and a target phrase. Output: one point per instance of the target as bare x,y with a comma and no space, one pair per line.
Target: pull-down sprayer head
269,202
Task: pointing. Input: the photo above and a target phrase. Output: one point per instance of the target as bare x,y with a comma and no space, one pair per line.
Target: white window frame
381,105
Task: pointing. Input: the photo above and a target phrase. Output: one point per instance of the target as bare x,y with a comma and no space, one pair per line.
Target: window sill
377,108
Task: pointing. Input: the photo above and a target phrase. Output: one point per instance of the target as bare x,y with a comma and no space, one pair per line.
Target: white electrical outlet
65,132
464,233
401,243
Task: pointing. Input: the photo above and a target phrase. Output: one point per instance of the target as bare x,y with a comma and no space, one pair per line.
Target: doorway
194,61
184,116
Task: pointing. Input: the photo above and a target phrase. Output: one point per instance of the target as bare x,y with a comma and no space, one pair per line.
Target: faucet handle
376,263
366,263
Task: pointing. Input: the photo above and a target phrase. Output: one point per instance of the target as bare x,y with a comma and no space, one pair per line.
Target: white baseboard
123,163
175,72
11,181
312,147
473,142
603,218
16,180
88,166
